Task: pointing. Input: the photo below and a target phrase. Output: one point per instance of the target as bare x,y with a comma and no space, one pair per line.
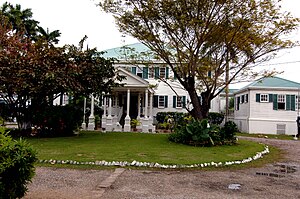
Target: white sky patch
77,18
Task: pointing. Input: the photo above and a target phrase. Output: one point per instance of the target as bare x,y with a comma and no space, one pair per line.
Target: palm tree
21,20
50,37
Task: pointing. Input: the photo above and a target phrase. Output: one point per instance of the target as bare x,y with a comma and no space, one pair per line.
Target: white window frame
139,71
281,99
179,100
264,97
151,72
162,72
161,99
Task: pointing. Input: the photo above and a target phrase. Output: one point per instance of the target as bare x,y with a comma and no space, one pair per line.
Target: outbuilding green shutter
145,72
183,101
156,72
275,104
167,72
238,103
270,97
155,101
257,97
293,102
133,70
288,102
166,101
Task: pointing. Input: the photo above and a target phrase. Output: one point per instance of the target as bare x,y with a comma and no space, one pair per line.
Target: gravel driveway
278,180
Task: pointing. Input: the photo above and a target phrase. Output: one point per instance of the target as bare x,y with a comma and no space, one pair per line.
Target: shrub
57,121
176,118
229,131
16,166
215,118
197,133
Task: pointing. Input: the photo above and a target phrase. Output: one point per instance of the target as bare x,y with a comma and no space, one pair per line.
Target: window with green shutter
293,102
145,72
167,72
155,101
166,101
174,101
133,70
275,104
156,72
257,97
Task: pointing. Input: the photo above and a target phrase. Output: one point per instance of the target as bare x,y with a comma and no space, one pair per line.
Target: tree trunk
196,112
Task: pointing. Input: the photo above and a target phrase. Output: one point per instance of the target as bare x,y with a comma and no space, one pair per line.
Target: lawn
93,146
271,136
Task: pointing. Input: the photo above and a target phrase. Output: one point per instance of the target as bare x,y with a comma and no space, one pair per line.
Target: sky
76,18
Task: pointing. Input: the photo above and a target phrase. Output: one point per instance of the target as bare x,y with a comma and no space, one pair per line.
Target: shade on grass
93,146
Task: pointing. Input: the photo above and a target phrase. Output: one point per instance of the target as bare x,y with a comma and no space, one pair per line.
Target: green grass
280,137
93,146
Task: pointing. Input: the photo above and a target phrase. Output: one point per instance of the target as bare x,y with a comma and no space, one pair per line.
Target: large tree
32,73
200,40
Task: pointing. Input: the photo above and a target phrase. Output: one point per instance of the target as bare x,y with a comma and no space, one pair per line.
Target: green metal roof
271,82
126,51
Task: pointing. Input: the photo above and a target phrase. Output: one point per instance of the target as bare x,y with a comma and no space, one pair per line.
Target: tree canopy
34,72
200,40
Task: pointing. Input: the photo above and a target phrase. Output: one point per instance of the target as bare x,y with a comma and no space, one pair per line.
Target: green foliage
174,118
200,133
197,133
134,123
228,132
17,160
215,118
57,121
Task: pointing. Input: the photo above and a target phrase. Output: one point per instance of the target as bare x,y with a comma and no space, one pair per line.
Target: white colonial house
144,94
268,106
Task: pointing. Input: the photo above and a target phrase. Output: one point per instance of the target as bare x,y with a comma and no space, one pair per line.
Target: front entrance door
133,110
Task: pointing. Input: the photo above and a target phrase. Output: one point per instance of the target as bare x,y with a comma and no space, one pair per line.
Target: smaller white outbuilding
269,105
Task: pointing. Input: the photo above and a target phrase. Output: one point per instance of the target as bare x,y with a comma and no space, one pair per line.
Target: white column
139,106
104,113
109,125
151,114
127,127
83,125
91,125
146,119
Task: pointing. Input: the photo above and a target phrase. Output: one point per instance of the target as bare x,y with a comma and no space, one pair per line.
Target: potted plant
134,123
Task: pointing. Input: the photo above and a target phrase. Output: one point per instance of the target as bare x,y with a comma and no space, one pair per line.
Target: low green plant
197,133
201,133
228,132
17,160
134,123
215,118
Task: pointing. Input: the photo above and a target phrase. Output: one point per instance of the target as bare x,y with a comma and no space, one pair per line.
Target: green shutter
145,72
246,98
275,104
155,101
174,101
257,97
288,102
238,103
270,97
183,101
133,70
293,102
167,72
166,101
156,72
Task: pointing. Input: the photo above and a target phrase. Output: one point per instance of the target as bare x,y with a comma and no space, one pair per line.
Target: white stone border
135,163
